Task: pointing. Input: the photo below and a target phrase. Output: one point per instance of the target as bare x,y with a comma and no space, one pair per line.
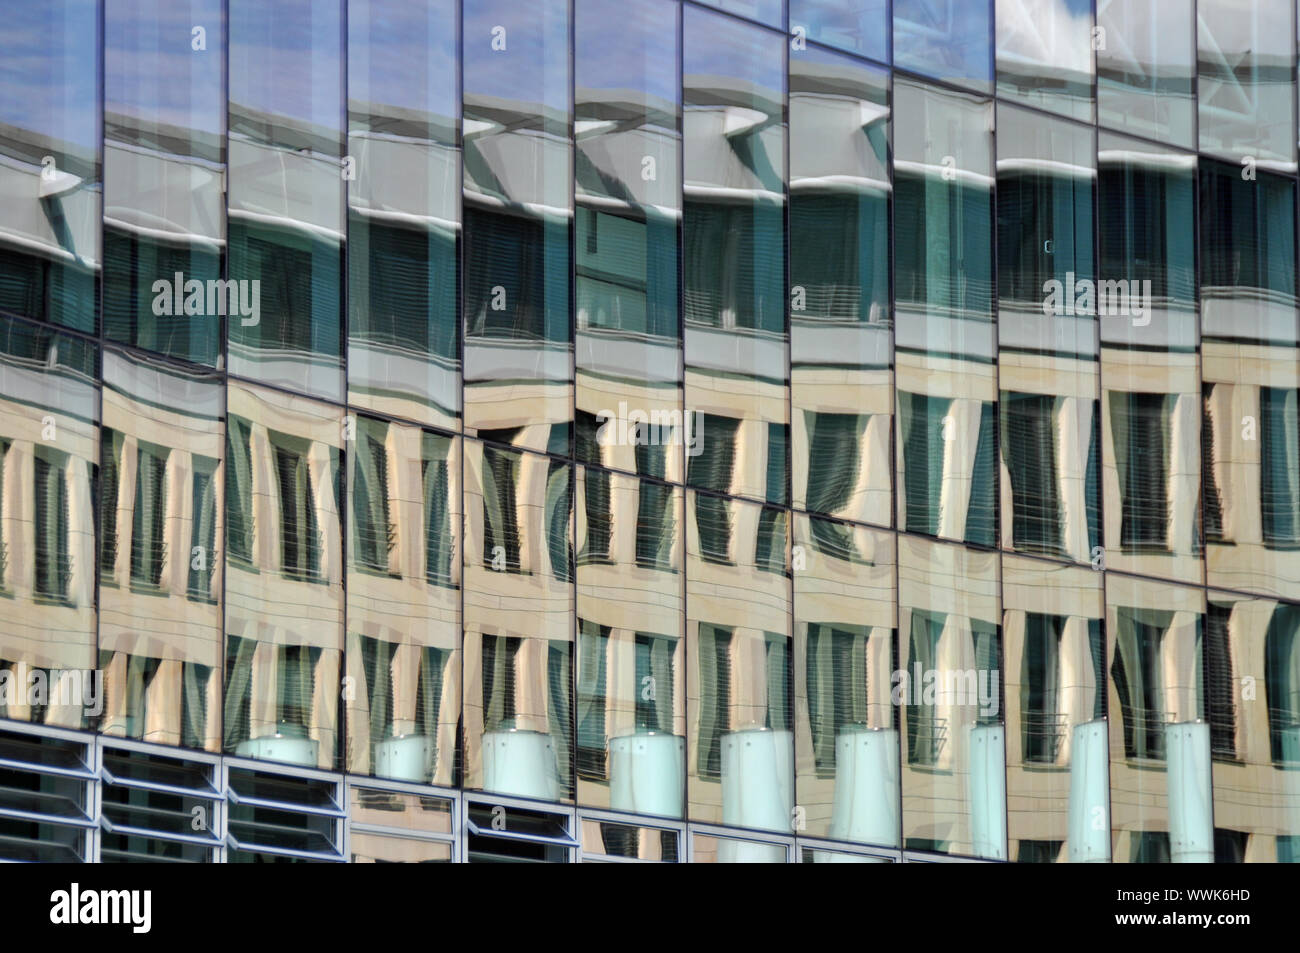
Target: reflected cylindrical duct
522,763
1187,766
409,758
987,783
646,774
1089,812
757,791
291,750
866,802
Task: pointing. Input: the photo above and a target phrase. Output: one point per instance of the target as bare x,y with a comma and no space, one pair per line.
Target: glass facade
785,431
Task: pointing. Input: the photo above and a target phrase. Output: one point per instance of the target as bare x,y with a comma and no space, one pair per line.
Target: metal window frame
486,799
365,782
717,831
89,825
290,773
678,827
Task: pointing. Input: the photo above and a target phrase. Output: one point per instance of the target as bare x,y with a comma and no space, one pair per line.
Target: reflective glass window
403,180
839,287
734,256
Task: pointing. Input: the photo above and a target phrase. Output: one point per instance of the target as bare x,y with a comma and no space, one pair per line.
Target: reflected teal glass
518,215
164,167
403,209
839,281
1246,81
286,199
1044,53
859,26
734,254
948,39
627,115
1146,70
50,141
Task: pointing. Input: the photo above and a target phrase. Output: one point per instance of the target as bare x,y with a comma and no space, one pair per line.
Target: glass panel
629,208
623,840
286,192
1251,380
376,849
1049,431
1246,86
740,754
736,345
49,450
1056,712
164,176
1150,402
769,12
403,646
518,718
518,209
839,275
162,508
415,813
1160,739
949,686
845,657
1252,665
50,141
944,336
284,583
1146,74
631,719
946,39
859,26
404,209
1045,54
707,849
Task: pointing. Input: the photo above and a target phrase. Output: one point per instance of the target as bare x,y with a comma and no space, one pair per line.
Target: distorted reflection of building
49,446
284,577
162,508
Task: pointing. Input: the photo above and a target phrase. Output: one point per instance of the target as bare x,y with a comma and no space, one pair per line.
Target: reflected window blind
500,523
1040,676
1282,684
53,563
499,659
239,490
712,469
925,735
834,459
1141,427
374,535
559,681
656,516
559,518
654,681
1279,447
203,530
1138,682
299,534
600,517
1220,681
837,674
1029,423
982,513
1211,500
593,646
110,469
435,481
923,449
769,548
148,542
715,697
